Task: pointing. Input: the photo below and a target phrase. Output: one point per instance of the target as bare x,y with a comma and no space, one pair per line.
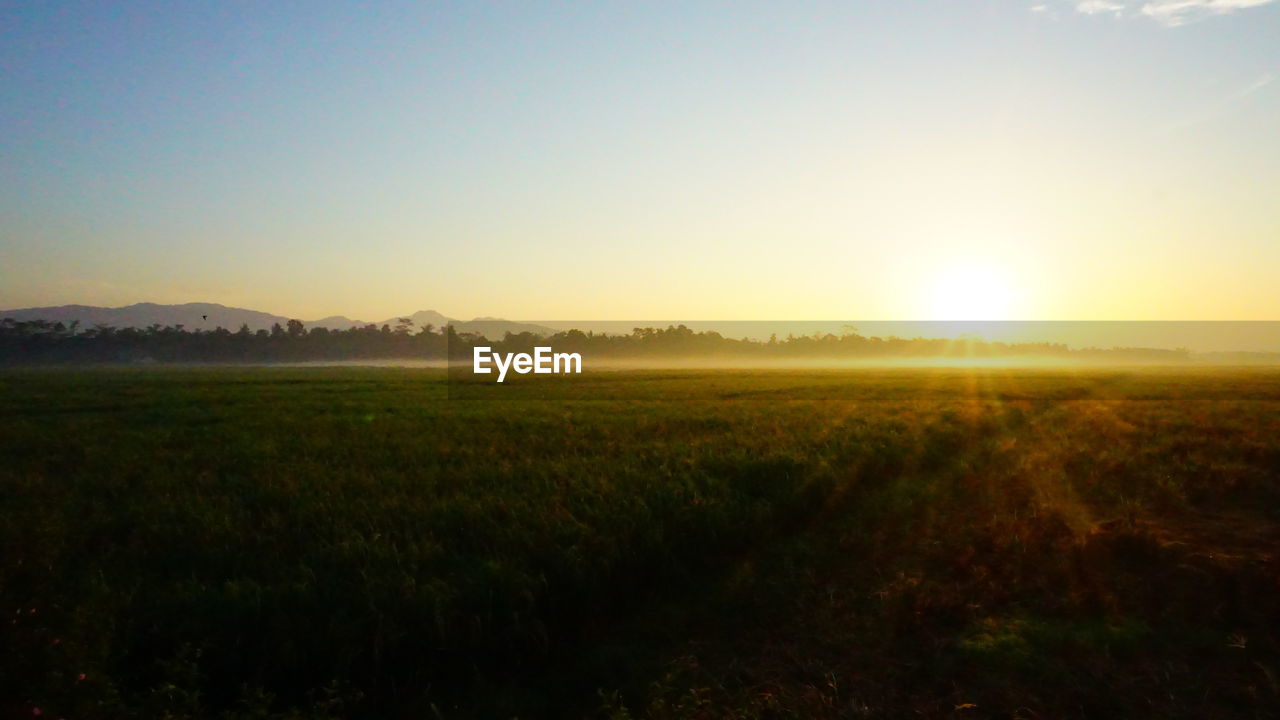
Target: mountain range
209,316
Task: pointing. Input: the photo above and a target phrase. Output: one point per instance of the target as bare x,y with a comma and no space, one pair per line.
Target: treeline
39,342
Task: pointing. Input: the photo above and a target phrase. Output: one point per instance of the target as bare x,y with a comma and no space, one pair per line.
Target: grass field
311,542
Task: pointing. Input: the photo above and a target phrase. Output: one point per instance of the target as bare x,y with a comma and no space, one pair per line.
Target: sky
923,160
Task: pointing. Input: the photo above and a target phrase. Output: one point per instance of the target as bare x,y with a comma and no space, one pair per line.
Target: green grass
679,544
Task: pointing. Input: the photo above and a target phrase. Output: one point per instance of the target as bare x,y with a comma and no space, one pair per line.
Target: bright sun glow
971,293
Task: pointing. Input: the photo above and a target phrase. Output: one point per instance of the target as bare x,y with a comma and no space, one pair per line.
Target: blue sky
877,160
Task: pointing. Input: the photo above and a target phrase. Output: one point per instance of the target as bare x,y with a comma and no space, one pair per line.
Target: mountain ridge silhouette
209,316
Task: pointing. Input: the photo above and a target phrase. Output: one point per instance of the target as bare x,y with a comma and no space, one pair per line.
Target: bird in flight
204,317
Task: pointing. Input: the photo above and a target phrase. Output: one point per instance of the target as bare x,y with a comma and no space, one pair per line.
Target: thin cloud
1046,11
1218,109
1256,85
1098,7
1181,12
1171,13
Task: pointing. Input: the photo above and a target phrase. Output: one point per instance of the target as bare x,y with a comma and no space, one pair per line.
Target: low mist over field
740,344
1195,336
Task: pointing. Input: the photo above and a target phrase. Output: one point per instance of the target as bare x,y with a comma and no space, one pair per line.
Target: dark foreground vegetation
348,543
36,342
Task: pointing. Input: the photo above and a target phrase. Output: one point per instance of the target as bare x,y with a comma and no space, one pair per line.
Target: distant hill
495,328
335,322
189,315
209,316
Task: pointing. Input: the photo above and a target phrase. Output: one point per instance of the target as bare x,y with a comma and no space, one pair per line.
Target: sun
971,292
